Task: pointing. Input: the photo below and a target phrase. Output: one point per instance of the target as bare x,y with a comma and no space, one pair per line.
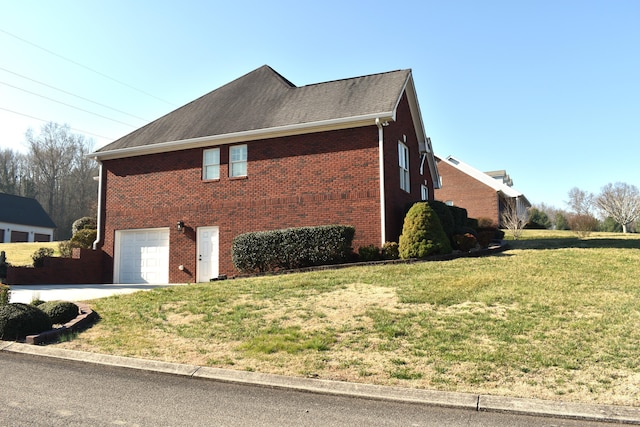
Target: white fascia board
244,136
418,124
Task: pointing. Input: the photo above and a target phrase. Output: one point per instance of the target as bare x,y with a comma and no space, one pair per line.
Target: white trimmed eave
418,124
244,136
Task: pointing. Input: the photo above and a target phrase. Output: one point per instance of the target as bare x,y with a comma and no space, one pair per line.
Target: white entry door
207,247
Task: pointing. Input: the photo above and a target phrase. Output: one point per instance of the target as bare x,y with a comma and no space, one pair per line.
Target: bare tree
513,218
580,201
621,202
62,175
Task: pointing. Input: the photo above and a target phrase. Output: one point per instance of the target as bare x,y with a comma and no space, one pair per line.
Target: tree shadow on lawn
575,242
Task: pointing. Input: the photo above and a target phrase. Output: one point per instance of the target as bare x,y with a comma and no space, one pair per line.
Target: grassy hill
554,317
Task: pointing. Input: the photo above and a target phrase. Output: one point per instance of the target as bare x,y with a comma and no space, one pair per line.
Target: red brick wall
477,198
314,179
85,267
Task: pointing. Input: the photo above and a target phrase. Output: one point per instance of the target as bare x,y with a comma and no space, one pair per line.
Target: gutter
243,136
99,213
383,217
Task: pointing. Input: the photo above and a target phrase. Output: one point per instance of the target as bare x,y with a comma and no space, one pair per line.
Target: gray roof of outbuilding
24,211
263,99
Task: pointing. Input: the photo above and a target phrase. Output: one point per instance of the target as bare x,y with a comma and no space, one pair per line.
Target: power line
73,94
68,105
87,68
46,121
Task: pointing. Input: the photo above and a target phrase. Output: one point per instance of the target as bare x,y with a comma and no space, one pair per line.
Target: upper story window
403,163
424,192
238,160
211,164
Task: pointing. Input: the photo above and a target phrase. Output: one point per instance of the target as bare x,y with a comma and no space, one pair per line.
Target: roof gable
482,177
24,211
264,100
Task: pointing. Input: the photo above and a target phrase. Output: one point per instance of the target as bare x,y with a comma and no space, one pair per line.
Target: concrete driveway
27,293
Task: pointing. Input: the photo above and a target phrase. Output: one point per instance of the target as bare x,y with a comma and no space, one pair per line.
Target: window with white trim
237,160
211,164
403,163
424,192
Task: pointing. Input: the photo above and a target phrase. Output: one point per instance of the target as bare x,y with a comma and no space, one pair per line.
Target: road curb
534,407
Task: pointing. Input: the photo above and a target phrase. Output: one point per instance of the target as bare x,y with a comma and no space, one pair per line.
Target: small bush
18,320
5,294
60,311
84,238
422,233
390,250
484,222
65,249
83,223
39,256
369,253
3,265
465,242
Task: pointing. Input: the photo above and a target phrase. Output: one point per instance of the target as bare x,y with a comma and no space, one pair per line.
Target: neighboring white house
23,219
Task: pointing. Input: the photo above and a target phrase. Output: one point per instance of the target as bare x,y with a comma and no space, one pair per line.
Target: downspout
99,213
383,216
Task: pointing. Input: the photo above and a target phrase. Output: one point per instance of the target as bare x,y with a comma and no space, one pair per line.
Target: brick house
22,219
481,194
260,153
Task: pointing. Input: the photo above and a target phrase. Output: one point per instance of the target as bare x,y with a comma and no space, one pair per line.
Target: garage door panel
144,256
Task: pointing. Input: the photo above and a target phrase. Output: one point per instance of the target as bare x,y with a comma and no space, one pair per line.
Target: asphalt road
40,391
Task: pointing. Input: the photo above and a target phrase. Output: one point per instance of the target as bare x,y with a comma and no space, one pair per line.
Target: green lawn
554,317
20,253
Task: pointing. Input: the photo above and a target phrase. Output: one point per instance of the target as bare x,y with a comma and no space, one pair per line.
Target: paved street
40,391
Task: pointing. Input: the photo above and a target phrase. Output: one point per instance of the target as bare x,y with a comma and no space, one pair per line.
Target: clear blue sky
548,90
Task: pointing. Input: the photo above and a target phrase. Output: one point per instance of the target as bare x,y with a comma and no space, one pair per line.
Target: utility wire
73,94
46,121
87,68
68,105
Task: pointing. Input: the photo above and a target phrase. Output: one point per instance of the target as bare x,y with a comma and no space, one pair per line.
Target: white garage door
142,256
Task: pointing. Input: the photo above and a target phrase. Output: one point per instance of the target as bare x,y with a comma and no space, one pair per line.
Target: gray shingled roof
263,99
24,211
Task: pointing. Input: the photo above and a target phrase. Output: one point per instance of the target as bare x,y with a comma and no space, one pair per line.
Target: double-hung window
211,164
238,160
403,163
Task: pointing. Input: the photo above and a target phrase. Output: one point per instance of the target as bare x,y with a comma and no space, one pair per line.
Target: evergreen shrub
291,248
18,320
422,233
444,215
369,253
84,223
459,216
390,250
39,256
60,311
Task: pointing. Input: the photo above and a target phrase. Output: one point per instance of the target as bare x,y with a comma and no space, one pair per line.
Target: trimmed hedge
291,248
17,320
444,215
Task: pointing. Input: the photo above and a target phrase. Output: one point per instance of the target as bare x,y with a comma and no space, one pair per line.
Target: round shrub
40,255
83,223
84,238
390,250
18,320
422,233
60,311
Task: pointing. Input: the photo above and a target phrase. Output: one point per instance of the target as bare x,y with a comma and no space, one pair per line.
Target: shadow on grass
575,242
